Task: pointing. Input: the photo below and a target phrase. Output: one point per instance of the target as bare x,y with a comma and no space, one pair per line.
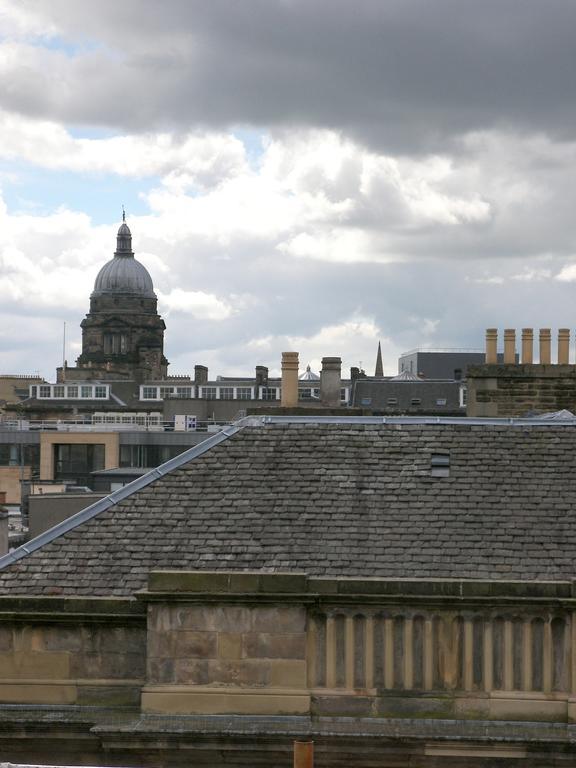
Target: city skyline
296,175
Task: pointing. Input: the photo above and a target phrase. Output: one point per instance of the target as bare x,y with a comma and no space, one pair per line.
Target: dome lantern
123,273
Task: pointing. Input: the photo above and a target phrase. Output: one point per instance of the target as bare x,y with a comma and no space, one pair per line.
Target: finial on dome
123,214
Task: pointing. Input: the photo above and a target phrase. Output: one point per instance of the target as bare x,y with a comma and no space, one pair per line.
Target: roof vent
440,465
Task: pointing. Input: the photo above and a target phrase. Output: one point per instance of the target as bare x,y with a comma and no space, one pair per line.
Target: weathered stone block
342,706
283,619
288,673
244,582
216,618
108,696
6,638
217,702
272,646
415,706
191,672
59,638
242,673
229,645
108,666
188,581
161,671
28,665
283,582
195,644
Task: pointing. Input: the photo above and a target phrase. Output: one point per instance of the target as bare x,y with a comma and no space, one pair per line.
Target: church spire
379,372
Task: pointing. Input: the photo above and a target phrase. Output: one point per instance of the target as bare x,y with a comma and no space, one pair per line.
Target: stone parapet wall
242,643
230,664
56,651
223,657
515,390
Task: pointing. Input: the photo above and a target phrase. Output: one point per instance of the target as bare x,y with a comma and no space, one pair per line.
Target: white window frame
154,387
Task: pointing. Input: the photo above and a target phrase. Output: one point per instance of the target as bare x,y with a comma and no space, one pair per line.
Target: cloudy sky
313,175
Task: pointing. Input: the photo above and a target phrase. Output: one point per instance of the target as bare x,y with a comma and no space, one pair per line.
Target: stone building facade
123,334
395,591
505,386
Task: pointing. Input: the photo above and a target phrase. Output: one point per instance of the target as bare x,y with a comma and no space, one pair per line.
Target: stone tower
123,334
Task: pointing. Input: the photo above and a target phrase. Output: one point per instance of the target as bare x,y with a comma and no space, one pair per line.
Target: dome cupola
123,273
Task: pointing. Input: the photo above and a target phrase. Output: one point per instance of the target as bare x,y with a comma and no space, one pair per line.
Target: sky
306,175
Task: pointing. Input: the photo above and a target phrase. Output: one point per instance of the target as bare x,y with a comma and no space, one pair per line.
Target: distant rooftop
443,350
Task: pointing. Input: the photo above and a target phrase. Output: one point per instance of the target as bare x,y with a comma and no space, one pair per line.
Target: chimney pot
509,346
200,375
545,347
563,346
491,346
289,379
527,346
331,381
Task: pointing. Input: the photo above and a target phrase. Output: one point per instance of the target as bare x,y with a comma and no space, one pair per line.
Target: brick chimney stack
289,379
491,346
331,381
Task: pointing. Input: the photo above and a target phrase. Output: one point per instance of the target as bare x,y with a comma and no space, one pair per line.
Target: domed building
123,334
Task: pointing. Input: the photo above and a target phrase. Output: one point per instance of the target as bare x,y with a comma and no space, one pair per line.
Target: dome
123,274
309,375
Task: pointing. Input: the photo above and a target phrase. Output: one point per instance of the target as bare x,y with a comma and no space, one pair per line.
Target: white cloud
195,303
183,160
567,274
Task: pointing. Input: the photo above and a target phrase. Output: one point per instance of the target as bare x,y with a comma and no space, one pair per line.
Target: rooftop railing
141,425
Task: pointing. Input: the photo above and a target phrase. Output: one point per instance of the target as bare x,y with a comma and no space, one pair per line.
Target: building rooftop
354,497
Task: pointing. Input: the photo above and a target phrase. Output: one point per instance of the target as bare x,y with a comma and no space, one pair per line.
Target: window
415,401
458,374
226,393
183,391
85,391
115,344
441,401
392,401
166,392
209,393
269,393
33,391
72,390
100,392
463,397
58,390
44,391
149,393
366,401
343,395
244,393
440,465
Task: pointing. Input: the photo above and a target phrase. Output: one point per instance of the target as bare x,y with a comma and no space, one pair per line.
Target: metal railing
140,424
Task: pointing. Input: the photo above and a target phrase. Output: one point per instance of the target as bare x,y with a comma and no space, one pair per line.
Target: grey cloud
401,75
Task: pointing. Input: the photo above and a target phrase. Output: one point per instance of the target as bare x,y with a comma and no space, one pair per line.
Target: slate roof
396,395
336,499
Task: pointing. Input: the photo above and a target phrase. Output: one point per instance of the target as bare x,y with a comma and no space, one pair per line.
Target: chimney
331,381
289,379
200,375
545,355
563,346
491,346
261,376
509,346
527,346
